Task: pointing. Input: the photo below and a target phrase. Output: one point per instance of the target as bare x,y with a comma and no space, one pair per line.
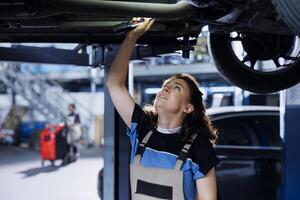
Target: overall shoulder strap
142,147
184,152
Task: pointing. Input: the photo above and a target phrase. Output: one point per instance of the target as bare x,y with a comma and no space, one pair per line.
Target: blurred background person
73,133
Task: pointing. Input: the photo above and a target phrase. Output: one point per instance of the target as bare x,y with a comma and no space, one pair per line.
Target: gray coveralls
148,183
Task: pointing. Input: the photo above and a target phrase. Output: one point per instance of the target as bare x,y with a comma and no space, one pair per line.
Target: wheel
261,63
288,10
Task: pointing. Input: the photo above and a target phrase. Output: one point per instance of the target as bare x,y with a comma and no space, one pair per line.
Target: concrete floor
22,177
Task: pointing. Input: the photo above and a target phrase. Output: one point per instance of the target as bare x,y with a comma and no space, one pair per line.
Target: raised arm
115,83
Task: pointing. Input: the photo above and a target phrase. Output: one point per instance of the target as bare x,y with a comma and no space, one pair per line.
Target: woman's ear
189,108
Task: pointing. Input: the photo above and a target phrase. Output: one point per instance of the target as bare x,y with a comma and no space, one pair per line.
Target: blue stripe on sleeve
132,133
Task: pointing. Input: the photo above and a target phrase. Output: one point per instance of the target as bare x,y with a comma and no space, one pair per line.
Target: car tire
236,72
288,10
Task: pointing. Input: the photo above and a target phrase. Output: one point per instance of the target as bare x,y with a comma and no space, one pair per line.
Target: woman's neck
169,122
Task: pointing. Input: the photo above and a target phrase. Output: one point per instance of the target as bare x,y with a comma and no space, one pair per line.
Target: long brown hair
195,122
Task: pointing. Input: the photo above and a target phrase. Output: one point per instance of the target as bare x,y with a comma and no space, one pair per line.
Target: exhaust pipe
35,9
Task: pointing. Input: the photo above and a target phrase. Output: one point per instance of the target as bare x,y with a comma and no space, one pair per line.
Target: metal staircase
44,95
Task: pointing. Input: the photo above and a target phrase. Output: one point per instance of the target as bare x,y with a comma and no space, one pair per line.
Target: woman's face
173,96
70,109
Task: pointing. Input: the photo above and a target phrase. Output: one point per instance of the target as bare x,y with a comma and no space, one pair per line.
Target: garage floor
21,176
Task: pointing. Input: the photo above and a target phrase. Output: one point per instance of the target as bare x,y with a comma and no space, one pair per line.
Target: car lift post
116,184
289,131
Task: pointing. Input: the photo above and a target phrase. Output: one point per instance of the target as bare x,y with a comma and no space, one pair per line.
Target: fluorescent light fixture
152,90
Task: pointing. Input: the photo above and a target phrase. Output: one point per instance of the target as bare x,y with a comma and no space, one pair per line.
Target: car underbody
259,24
